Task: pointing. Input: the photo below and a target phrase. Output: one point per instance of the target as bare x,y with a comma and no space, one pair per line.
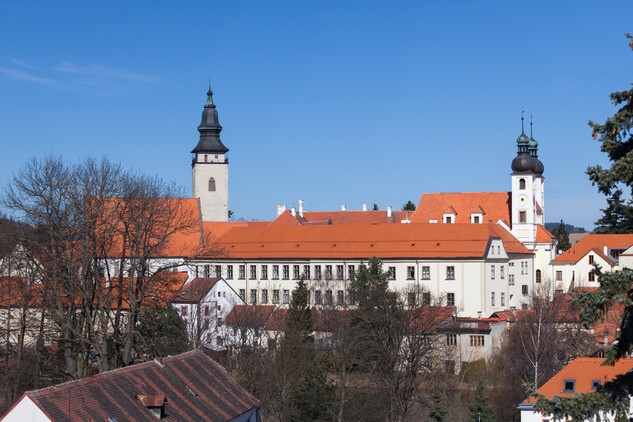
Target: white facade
25,410
210,183
205,317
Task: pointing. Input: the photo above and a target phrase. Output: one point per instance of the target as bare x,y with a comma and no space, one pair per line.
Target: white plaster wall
26,411
214,205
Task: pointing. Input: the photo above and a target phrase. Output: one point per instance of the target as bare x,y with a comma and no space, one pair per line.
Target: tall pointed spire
210,129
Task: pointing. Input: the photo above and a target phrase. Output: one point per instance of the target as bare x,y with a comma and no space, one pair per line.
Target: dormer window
475,219
569,386
595,384
448,218
155,403
449,215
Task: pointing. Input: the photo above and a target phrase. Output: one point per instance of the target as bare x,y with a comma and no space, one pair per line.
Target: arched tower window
205,159
211,184
538,276
521,183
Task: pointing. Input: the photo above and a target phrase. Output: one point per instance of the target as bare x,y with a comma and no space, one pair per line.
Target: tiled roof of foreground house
583,372
366,240
191,386
597,243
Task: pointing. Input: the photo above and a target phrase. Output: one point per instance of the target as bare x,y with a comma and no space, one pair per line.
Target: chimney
478,314
605,249
281,208
389,211
301,208
364,207
293,211
342,207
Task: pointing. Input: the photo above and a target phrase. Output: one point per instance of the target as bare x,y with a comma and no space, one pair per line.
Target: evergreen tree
439,410
299,317
563,237
313,398
409,206
161,332
375,207
480,410
616,137
617,217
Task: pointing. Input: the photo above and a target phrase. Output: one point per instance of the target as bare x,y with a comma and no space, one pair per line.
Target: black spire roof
210,129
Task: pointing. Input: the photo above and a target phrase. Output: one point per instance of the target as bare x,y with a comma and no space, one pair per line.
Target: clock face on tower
523,200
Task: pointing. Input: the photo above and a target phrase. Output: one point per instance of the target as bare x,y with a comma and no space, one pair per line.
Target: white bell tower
210,167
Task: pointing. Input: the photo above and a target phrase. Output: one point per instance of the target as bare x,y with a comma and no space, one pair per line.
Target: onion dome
210,129
533,151
523,161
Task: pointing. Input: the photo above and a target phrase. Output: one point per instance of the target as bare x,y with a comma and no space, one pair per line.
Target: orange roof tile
584,371
365,241
249,316
595,242
339,217
433,206
195,291
543,235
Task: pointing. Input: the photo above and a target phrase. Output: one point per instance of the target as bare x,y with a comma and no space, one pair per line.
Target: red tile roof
543,235
584,371
194,291
595,242
495,205
364,241
195,388
339,217
249,316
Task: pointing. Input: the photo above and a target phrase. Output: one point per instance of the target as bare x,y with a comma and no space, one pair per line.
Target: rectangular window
569,386
411,299
275,272
559,276
510,279
243,294
492,272
264,271
242,271
339,272
502,271
522,217
309,297
229,271
451,339
426,273
253,296
328,272
450,273
218,271
492,299
477,341
275,296
476,219
286,296
328,297
410,273
306,272
206,270
595,384
392,273
351,271
207,310
503,299
253,271
524,289
426,299
450,299
183,311
591,276
591,259
340,298
295,272
317,272
317,297
264,295
286,272
205,324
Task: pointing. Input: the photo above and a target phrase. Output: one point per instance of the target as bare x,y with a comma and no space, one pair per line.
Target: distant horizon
333,103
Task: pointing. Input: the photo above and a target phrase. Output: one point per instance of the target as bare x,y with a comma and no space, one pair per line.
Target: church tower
210,167
527,190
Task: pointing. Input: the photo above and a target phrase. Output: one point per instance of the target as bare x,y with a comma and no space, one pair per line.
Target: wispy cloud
23,64
87,79
105,73
27,77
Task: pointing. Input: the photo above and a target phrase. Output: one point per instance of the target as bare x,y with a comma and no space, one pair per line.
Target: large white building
481,252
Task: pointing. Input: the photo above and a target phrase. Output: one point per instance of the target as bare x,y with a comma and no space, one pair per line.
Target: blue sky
333,102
